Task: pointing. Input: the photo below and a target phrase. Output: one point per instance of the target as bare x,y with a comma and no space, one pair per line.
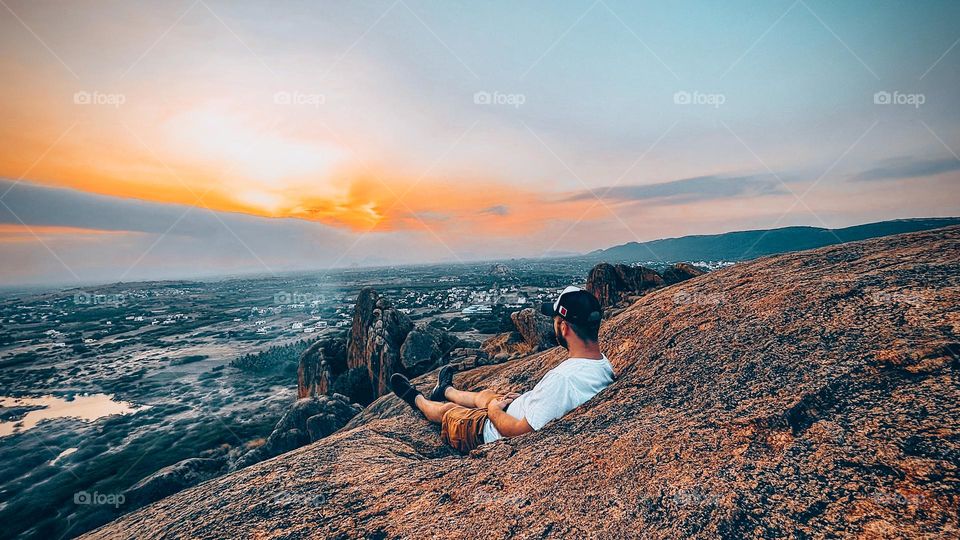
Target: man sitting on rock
470,419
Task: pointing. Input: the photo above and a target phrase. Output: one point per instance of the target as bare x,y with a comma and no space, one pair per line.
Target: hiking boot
444,380
404,390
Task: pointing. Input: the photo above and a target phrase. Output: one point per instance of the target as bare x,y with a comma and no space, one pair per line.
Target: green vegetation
279,358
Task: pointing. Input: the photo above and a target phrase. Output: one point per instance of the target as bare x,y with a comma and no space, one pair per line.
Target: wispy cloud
497,210
908,167
688,190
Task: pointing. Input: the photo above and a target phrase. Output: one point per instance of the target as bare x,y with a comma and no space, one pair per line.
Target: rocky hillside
810,394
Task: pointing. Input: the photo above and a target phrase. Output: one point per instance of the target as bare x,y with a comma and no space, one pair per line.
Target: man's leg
474,400
433,410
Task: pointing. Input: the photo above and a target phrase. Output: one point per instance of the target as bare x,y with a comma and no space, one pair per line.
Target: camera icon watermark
107,499
499,98
297,98
699,298
684,97
83,97
884,97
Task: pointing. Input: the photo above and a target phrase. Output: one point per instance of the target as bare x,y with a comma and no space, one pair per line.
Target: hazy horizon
42,287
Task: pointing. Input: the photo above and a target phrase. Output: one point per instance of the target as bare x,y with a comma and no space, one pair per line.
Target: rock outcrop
612,284
376,336
321,364
819,398
307,420
499,270
504,346
535,328
681,272
381,342
424,348
533,332
174,478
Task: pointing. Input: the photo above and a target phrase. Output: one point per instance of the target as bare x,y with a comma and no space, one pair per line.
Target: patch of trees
276,359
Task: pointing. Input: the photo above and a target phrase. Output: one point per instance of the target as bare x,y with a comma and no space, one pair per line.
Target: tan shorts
462,428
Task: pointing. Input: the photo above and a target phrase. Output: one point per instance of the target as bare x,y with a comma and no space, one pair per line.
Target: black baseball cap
575,305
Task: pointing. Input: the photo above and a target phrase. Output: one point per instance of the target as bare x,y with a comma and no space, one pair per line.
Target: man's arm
507,425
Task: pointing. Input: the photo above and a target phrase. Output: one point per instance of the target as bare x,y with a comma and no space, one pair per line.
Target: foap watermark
89,299
284,298
684,97
295,97
700,298
499,98
83,97
884,97
901,297
517,500
695,497
895,498
285,500
107,499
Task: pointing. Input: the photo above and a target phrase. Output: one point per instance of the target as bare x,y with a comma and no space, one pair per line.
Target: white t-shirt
561,390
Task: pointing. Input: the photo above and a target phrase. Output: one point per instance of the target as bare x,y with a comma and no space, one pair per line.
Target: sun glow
250,149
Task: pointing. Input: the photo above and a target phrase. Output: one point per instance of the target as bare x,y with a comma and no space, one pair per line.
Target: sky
199,138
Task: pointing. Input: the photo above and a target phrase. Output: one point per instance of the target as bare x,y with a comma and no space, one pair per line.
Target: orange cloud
237,159
447,206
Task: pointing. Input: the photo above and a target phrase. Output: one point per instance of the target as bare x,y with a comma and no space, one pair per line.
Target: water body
82,407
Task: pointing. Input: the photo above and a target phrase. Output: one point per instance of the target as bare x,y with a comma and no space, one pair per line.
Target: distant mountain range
744,245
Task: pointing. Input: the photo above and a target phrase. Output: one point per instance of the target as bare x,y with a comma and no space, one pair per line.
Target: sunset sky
197,138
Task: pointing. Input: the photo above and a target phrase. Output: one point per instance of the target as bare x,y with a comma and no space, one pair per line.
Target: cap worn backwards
575,305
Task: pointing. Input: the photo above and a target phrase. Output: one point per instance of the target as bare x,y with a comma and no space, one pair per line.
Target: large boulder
174,478
612,284
681,272
505,345
307,420
320,364
425,348
313,376
535,328
818,399
376,336
533,332
355,384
